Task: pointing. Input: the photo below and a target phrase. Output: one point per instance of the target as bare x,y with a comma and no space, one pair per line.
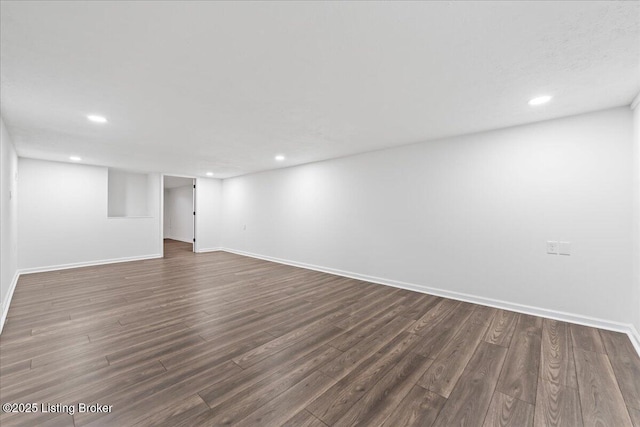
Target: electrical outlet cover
564,248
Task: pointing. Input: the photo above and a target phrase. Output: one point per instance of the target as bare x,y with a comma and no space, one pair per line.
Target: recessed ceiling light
97,119
75,158
209,173
279,157
539,100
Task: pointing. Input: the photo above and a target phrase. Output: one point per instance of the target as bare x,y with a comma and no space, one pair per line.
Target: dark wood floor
220,339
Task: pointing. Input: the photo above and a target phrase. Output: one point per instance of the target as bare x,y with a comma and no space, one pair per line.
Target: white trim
87,264
628,329
634,336
635,101
203,250
7,301
12,288
161,222
130,217
194,182
178,175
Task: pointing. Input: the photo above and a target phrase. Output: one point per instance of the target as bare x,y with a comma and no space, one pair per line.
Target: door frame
193,198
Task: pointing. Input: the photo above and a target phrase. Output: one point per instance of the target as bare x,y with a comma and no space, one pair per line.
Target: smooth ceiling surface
190,87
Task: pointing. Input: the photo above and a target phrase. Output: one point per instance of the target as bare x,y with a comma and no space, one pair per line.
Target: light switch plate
564,248
552,247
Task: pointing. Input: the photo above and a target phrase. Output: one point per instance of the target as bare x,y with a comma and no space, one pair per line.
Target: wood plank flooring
219,339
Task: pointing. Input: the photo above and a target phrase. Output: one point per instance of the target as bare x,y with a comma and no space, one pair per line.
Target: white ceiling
191,87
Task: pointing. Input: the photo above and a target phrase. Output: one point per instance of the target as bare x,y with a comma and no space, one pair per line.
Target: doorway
179,212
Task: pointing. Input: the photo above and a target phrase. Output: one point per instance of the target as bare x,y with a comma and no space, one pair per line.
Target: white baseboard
87,264
12,288
203,250
628,329
634,336
7,301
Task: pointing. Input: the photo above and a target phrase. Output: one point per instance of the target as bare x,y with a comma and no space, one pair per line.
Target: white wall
178,204
166,224
62,218
636,214
209,226
8,219
468,215
128,193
